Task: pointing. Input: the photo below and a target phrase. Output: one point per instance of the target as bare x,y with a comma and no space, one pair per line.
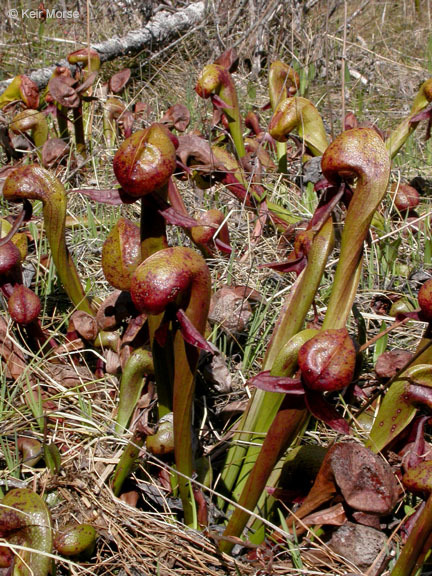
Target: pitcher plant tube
34,122
327,361
143,165
356,155
298,113
175,282
401,133
283,83
26,521
215,82
349,155
263,406
35,183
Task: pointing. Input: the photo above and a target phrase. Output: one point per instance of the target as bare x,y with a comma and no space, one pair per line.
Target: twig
347,21
159,31
383,333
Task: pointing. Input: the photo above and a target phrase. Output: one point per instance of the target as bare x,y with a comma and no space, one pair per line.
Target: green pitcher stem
420,533
137,366
299,302
337,318
143,166
282,428
281,153
400,135
263,406
127,461
186,362
177,278
78,121
283,431
153,239
36,183
62,121
299,114
359,153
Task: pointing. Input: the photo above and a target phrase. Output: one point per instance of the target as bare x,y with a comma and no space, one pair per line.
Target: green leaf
399,405
52,458
381,343
251,91
347,74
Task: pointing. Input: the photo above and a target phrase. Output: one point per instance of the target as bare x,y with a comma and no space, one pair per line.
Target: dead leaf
389,363
68,347
366,480
68,376
112,365
29,92
177,116
133,329
142,109
230,310
11,355
194,150
130,498
217,374
405,197
114,310
367,519
334,516
61,89
233,409
256,151
84,324
119,80
54,151
248,293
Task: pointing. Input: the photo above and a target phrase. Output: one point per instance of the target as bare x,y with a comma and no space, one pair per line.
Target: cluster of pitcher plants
155,318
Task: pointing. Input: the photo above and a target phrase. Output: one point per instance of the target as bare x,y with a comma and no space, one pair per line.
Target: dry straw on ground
385,52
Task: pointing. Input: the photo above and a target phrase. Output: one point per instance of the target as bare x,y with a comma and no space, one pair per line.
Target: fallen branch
158,32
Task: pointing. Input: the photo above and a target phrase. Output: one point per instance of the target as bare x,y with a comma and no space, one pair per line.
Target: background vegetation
367,57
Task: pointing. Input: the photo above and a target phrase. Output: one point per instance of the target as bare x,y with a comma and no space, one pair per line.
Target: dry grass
388,53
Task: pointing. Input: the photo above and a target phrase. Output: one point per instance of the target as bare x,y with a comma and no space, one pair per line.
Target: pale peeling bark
157,33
